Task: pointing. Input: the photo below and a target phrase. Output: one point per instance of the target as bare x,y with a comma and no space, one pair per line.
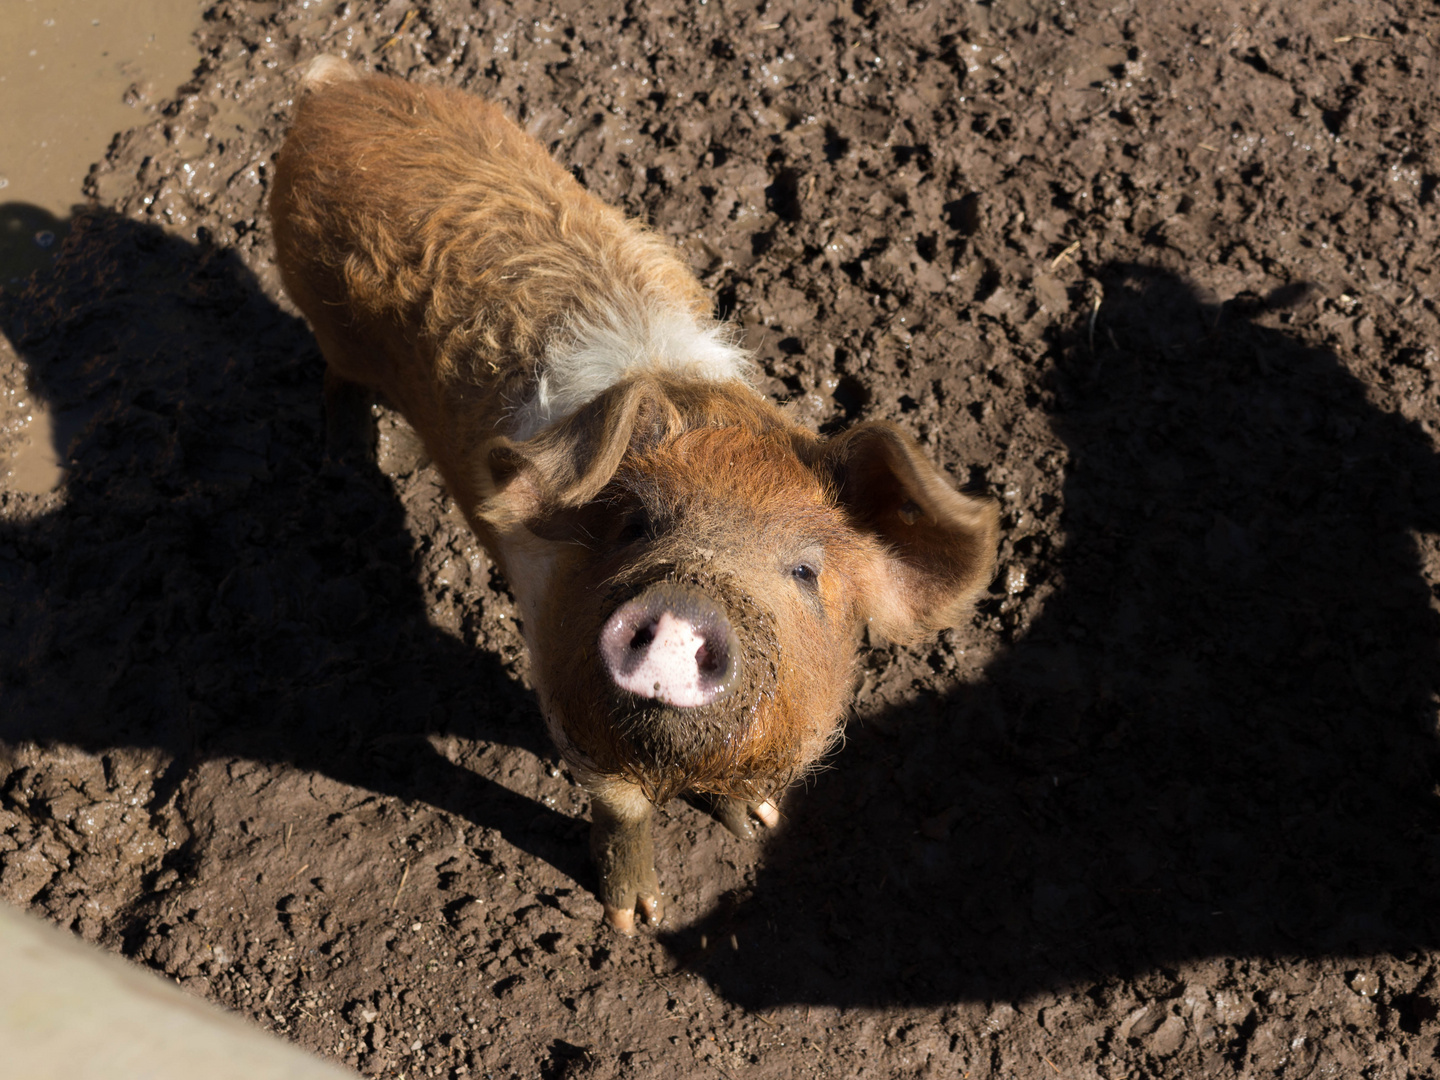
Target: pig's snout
673,644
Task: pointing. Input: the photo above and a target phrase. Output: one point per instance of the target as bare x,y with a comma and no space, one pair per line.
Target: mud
1162,281
74,73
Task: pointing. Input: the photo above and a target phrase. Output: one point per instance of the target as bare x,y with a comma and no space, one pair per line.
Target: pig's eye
806,575
636,527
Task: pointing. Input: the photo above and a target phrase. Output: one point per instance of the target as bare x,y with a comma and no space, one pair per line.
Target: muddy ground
1161,278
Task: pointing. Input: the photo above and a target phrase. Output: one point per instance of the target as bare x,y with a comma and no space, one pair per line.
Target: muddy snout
672,643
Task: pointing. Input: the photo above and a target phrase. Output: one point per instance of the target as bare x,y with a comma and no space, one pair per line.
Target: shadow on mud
205,590
1216,738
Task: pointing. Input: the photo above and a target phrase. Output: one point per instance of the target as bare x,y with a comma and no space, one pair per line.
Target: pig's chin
664,736
725,747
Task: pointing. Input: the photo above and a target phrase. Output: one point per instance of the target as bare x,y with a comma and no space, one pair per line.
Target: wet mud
74,73
1161,281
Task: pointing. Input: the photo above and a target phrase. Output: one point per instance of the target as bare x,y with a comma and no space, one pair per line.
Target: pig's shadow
206,589
1216,737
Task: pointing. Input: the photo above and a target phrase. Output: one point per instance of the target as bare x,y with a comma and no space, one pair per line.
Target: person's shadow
1216,736
206,588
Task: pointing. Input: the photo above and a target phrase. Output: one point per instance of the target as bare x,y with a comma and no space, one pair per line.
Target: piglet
693,568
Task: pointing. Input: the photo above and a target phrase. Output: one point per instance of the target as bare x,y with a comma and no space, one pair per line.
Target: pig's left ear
540,481
938,546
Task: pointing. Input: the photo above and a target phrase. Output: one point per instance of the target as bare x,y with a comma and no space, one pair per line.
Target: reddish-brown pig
693,569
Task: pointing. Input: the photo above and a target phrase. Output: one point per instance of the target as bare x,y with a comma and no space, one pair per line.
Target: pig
695,570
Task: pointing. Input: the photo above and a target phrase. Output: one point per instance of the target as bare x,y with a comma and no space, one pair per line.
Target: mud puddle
30,464
72,74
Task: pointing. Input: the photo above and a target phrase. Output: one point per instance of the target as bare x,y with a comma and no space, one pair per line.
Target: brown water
30,463
73,73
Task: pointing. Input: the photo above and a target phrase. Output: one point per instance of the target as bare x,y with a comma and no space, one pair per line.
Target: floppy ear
533,483
937,545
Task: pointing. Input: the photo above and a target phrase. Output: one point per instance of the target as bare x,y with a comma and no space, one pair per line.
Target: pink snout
672,644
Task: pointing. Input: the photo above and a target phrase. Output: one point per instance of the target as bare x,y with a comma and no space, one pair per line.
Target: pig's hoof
623,919
741,817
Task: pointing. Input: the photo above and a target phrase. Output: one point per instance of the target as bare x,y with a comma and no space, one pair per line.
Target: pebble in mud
1015,579
1365,983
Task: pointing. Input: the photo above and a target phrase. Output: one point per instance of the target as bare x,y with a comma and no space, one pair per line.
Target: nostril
643,637
705,660
713,657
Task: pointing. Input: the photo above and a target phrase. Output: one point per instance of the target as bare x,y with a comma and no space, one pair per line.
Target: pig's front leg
740,817
624,852
349,426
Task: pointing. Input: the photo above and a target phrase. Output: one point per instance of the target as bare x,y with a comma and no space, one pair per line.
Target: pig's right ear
539,482
937,546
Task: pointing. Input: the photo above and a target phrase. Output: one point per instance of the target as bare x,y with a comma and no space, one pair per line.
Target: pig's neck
591,356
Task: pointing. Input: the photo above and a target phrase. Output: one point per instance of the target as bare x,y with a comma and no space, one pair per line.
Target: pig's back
429,210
